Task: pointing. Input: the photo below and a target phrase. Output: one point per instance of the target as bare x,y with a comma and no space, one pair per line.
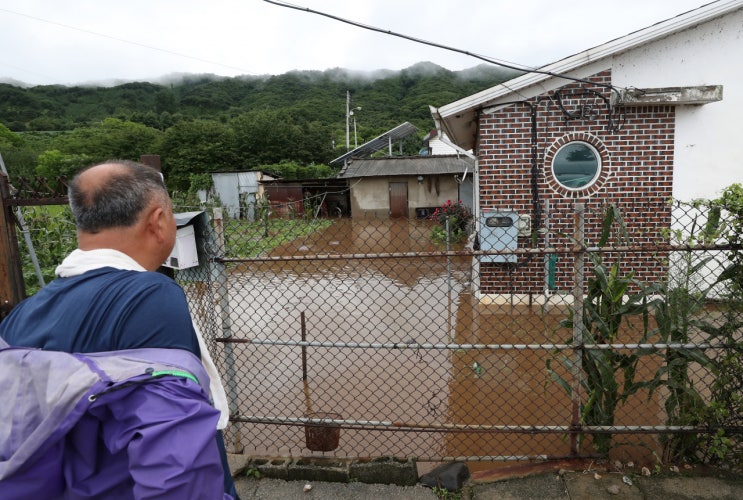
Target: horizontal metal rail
505,347
659,248
475,428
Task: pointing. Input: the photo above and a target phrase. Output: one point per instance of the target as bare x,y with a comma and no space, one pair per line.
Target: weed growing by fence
53,236
725,408
245,239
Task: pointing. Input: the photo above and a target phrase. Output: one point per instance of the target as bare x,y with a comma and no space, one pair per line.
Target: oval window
576,165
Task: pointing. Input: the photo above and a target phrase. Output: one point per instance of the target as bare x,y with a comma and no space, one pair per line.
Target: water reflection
392,306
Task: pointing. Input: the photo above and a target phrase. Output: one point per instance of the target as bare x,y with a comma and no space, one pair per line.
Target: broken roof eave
458,119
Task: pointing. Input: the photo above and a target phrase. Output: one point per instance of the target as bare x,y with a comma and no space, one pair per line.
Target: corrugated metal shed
236,188
408,165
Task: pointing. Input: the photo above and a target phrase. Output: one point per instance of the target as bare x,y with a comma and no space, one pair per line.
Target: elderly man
160,440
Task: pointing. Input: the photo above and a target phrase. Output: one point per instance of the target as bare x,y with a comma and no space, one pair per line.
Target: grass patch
245,239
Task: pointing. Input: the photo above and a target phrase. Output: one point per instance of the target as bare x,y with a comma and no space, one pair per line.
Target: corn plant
608,374
677,307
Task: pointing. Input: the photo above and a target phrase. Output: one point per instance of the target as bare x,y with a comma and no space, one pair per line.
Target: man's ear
156,222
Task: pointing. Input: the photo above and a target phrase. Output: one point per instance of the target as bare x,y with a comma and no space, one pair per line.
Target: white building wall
438,147
709,142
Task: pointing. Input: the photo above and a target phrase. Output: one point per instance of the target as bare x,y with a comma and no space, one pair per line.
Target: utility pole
348,115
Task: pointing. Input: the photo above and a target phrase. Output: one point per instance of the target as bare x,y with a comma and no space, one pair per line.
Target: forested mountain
202,123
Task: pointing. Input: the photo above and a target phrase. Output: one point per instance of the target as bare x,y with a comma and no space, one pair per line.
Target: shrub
459,218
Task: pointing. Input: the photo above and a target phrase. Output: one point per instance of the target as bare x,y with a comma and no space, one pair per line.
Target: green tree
193,147
54,163
165,101
111,138
9,138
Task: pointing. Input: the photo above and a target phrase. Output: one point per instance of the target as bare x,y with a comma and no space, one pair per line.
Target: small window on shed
576,165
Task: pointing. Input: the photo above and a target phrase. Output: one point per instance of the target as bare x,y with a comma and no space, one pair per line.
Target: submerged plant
454,218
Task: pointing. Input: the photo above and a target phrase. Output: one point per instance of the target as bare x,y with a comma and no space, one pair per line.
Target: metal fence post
579,256
220,274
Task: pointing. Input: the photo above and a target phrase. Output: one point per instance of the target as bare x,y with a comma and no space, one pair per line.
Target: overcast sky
69,42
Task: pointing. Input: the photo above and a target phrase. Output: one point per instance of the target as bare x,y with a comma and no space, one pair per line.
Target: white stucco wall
709,140
370,195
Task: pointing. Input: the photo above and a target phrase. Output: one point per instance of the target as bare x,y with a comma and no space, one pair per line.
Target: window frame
594,178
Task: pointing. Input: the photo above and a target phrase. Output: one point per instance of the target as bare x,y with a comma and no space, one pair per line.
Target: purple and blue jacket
132,424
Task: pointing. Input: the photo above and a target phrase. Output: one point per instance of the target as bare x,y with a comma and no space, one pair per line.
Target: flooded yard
354,322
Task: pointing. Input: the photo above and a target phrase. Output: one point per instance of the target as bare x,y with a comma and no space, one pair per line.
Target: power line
122,40
497,62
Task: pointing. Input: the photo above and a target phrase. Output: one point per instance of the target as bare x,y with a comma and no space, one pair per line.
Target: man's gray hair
117,202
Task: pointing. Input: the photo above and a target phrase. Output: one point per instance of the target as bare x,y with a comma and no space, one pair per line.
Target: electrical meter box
499,231
185,254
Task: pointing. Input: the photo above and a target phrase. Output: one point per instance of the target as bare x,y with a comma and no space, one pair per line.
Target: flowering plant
459,217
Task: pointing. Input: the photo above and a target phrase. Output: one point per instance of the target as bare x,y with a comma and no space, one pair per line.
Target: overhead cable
487,59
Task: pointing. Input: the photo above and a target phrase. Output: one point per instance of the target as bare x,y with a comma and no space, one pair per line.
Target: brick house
633,122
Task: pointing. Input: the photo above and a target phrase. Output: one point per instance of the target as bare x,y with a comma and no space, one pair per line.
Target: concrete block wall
379,470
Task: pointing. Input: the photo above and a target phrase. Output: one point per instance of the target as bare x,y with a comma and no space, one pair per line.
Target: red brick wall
636,145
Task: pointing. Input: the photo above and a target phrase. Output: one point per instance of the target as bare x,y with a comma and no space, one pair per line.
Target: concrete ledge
384,470
275,468
381,470
328,470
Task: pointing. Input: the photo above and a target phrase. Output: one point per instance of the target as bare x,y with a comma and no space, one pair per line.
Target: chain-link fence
364,337
582,329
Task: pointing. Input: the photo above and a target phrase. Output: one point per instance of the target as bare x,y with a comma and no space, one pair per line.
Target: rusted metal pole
12,288
26,235
577,365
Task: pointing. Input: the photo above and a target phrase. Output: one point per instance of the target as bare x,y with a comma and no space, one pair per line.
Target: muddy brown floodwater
389,365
